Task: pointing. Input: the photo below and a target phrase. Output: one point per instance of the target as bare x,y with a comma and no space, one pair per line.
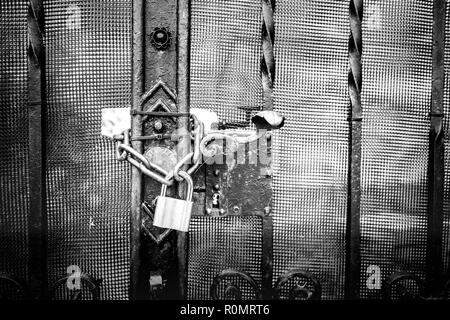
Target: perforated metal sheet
88,68
216,244
225,58
14,199
310,152
397,40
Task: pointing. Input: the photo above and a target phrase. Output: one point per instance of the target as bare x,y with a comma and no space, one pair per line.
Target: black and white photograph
234,156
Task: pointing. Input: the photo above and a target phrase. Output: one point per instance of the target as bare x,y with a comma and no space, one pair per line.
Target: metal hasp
241,184
353,231
160,86
434,277
37,219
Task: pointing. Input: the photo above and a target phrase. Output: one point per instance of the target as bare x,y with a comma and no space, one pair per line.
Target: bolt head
267,210
158,125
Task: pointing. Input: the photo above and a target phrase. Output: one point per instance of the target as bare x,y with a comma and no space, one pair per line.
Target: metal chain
124,151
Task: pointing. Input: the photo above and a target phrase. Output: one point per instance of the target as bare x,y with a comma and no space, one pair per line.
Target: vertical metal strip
436,161
268,60
37,220
267,258
268,78
353,255
184,145
136,131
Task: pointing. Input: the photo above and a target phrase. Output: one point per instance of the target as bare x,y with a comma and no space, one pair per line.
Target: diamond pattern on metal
217,244
88,68
14,194
397,40
310,152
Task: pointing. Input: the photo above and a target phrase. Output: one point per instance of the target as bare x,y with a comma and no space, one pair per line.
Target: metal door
350,202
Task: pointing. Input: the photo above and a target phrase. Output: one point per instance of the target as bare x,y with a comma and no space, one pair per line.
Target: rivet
158,125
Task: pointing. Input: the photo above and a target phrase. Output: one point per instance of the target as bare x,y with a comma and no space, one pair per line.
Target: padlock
174,213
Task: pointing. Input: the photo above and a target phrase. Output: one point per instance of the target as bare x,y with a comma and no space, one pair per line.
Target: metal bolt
267,210
216,187
236,209
158,125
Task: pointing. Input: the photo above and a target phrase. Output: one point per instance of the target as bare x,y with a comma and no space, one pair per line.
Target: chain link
124,151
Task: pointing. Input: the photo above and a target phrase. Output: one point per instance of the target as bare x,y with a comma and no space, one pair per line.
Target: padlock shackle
187,178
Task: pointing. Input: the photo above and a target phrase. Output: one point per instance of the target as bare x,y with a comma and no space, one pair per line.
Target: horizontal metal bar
160,114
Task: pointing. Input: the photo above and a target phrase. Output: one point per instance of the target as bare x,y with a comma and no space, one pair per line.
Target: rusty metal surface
161,85
183,104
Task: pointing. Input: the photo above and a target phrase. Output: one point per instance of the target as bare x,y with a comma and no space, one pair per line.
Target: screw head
236,209
267,210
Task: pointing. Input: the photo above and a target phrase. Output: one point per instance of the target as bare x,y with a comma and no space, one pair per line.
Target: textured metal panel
310,152
216,244
225,78
88,68
446,216
14,195
225,57
397,40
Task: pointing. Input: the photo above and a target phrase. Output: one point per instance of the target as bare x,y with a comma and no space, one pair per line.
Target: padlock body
172,213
